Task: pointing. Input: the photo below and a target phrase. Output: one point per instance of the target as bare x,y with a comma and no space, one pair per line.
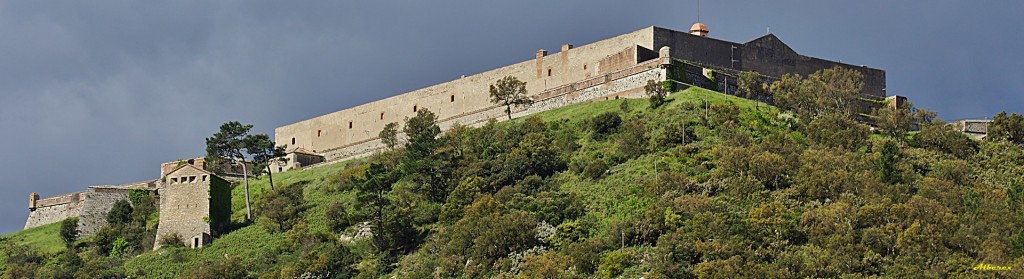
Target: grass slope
44,238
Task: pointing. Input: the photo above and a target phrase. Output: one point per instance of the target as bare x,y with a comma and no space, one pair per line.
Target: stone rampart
97,203
466,96
54,209
628,82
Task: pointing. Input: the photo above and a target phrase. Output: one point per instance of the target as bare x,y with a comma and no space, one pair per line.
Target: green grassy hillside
722,189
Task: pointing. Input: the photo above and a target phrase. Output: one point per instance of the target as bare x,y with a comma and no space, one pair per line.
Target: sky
102,92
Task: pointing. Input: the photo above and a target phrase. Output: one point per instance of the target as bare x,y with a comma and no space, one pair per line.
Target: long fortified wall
53,209
618,66
90,206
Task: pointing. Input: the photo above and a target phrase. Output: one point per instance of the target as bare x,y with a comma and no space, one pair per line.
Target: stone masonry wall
558,79
625,82
184,204
98,202
55,209
468,95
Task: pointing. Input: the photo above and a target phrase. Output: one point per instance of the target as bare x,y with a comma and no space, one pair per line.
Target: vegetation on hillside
619,188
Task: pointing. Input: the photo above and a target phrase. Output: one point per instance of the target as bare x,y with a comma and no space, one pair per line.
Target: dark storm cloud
101,92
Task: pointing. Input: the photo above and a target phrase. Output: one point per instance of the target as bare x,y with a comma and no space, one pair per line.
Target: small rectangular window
453,98
381,116
204,178
350,124
584,66
293,141
414,108
318,133
549,72
174,180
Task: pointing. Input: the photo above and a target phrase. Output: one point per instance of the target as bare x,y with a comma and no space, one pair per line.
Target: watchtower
194,204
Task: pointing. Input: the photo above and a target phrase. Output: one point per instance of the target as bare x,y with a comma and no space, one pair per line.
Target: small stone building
194,204
296,159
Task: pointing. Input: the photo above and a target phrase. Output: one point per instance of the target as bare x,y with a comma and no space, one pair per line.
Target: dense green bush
282,208
604,124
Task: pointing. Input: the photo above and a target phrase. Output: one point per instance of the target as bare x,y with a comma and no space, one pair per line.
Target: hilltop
704,185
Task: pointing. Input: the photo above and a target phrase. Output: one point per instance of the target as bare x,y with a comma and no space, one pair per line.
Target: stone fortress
616,67
195,203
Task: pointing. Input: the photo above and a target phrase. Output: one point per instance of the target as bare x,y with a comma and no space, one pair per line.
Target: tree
120,213
282,207
1007,127
655,92
389,135
894,121
887,162
373,189
509,92
263,153
69,231
229,143
834,90
750,85
836,130
419,161
942,137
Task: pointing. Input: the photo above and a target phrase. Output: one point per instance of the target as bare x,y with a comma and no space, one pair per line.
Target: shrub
69,231
173,239
595,169
614,263
941,137
604,124
120,213
231,267
835,130
656,93
281,208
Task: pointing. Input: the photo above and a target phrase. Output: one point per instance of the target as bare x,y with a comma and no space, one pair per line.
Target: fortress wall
627,83
704,50
95,206
54,209
465,96
766,55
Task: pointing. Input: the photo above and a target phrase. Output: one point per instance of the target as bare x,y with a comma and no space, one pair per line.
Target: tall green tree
420,161
120,213
751,85
1007,127
510,91
374,186
69,231
833,90
263,153
229,143
656,93
389,135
